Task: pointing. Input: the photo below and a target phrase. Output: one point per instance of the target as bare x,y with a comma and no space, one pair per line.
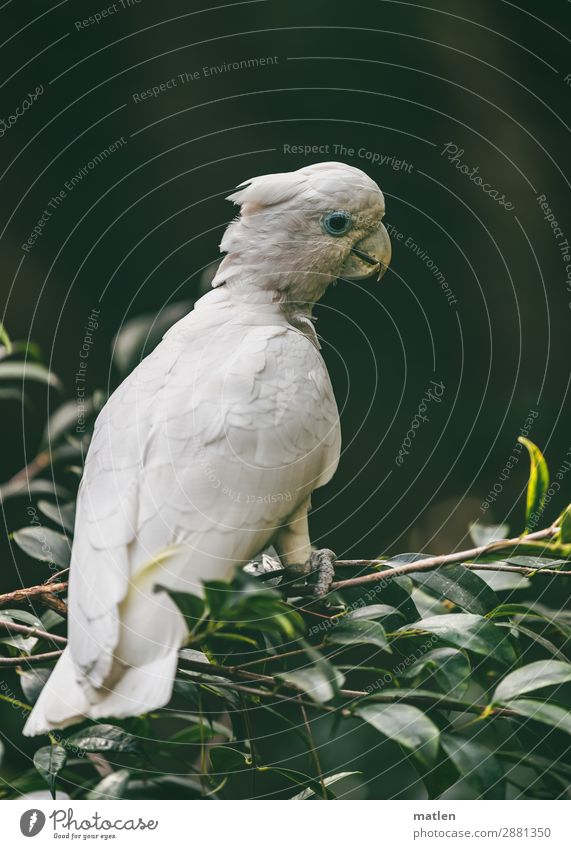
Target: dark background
390,77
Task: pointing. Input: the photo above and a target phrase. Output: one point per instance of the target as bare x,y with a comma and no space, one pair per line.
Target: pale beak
378,268
370,257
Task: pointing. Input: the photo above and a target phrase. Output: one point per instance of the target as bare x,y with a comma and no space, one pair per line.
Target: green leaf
503,581
319,679
406,725
138,336
308,792
450,668
60,514
196,728
218,642
49,761
5,340
111,787
373,611
21,617
35,487
191,606
546,712
433,698
537,553
564,523
542,641
44,544
194,734
247,604
398,590
534,676
540,764
475,764
32,682
485,534
63,419
9,394
103,738
295,776
538,613
427,604
467,631
225,759
193,654
30,349
552,560
188,716
50,620
355,632
28,371
459,585
538,483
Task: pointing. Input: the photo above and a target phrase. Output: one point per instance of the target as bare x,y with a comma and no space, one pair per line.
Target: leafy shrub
442,682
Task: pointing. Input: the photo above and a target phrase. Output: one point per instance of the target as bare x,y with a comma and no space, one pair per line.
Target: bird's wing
211,442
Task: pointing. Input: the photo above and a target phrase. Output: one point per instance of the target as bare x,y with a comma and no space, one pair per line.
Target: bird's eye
337,223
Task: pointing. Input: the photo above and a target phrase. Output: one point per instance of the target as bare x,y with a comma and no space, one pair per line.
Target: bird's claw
322,563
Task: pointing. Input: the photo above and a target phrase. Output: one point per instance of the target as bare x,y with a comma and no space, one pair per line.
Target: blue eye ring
337,223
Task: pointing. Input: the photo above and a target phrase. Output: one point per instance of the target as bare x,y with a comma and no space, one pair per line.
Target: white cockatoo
209,451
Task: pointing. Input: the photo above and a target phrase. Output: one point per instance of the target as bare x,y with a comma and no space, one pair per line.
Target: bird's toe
322,563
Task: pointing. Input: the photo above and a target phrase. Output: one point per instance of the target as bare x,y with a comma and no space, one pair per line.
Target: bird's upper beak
369,257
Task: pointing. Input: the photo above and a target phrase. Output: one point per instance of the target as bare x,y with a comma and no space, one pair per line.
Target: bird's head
300,230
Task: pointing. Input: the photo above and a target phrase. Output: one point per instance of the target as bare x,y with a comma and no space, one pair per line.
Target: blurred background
425,100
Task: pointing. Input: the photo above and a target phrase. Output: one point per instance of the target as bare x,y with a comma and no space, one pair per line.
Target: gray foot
322,563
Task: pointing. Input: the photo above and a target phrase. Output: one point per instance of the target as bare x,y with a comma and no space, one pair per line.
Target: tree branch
29,592
54,603
234,675
253,691
29,631
31,660
505,547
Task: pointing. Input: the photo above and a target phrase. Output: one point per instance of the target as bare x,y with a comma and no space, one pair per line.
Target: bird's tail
63,701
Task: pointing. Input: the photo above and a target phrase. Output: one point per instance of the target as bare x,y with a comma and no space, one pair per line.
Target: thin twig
57,575
31,660
236,675
29,631
40,462
313,749
233,672
253,691
100,764
523,570
490,567
273,657
15,702
471,554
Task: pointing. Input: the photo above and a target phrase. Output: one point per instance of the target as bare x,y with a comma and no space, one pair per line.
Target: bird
209,451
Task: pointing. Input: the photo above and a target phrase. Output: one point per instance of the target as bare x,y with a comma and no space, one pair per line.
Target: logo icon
32,822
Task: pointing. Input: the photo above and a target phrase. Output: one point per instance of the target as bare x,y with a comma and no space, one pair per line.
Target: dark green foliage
286,697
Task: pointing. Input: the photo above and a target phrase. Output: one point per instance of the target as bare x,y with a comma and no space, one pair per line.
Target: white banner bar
186,824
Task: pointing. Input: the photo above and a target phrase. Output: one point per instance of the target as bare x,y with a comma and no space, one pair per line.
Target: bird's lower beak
370,257
377,267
